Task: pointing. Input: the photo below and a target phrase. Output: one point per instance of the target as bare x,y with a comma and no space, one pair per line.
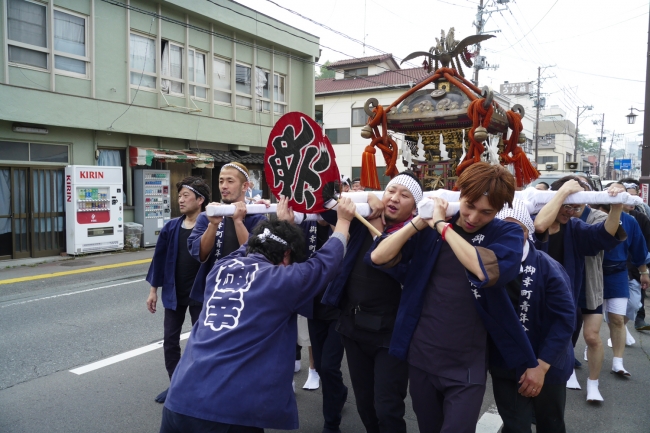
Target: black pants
516,410
578,326
327,348
174,320
173,422
444,405
379,381
640,315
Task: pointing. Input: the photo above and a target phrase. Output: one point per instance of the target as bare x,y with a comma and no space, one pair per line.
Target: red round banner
299,163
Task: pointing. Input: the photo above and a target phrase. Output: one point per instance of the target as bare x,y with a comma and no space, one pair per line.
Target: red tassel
369,178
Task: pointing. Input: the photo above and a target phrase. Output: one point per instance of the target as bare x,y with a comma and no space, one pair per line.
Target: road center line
71,293
73,272
122,356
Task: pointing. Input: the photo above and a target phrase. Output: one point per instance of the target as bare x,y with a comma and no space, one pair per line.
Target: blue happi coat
162,271
194,245
547,314
238,364
580,240
499,250
615,276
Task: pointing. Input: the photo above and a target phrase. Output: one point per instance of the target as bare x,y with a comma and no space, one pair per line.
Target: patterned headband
267,234
192,189
236,167
631,186
409,183
518,211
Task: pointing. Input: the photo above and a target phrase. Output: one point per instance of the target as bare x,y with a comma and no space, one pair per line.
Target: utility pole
578,113
600,144
539,76
479,23
645,151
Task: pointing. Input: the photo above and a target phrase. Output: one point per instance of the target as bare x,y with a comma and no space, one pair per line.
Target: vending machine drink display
94,215
152,202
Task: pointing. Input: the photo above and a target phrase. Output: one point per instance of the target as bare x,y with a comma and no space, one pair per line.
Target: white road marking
490,422
71,293
122,356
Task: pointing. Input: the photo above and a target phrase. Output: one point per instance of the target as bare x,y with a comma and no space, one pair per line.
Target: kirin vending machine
94,215
152,202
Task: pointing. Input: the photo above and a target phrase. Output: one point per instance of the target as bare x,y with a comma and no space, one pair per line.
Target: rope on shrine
480,116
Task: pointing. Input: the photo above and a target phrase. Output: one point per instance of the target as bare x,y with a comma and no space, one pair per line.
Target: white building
340,100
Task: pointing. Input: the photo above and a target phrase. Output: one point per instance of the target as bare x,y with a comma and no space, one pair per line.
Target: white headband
192,189
267,234
518,211
241,170
409,183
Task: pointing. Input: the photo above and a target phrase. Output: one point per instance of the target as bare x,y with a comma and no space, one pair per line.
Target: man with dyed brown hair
454,293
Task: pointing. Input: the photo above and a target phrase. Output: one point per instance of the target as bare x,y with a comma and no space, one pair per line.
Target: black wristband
435,225
414,226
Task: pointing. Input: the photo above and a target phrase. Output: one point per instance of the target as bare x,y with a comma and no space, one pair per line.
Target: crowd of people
429,307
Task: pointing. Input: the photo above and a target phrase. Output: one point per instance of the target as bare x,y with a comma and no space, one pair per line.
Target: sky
592,52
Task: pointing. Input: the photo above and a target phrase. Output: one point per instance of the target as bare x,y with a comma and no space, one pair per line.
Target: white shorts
615,305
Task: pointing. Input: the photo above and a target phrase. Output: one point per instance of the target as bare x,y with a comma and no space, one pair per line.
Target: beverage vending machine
152,196
93,209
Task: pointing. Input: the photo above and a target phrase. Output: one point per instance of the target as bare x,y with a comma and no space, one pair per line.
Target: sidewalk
22,268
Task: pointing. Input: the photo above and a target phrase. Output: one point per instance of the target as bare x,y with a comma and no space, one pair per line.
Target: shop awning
145,156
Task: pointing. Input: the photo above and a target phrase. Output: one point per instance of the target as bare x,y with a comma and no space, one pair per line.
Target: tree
324,72
587,145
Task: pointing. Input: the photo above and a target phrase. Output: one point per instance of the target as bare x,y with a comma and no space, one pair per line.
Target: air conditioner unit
571,165
551,166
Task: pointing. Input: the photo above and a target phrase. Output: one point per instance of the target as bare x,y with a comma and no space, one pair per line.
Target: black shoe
640,325
576,363
160,398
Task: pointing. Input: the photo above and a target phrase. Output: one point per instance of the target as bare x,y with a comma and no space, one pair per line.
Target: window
221,81
547,159
280,105
359,72
196,70
36,152
171,68
142,61
27,33
338,136
70,43
359,117
243,88
262,90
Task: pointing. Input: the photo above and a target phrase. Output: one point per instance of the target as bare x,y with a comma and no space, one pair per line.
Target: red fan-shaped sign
299,163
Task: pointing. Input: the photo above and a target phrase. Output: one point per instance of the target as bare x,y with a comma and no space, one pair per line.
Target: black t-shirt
186,269
230,241
556,245
450,339
371,294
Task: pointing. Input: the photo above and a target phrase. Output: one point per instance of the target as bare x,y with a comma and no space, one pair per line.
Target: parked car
551,176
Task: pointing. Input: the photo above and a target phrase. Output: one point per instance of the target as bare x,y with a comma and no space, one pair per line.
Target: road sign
626,164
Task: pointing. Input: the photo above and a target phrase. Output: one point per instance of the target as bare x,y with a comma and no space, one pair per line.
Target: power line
533,28
596,30
603,76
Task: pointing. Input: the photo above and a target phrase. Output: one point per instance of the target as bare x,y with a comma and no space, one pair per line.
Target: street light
549,139
631,118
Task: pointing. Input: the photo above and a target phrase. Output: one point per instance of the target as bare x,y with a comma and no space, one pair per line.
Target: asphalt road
53,325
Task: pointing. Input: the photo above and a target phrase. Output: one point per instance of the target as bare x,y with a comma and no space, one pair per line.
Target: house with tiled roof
340,100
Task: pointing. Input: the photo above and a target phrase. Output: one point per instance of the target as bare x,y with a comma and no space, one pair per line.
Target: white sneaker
573,383
609,342
629,340
593,394
313,380
296,367
586,347
293,385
